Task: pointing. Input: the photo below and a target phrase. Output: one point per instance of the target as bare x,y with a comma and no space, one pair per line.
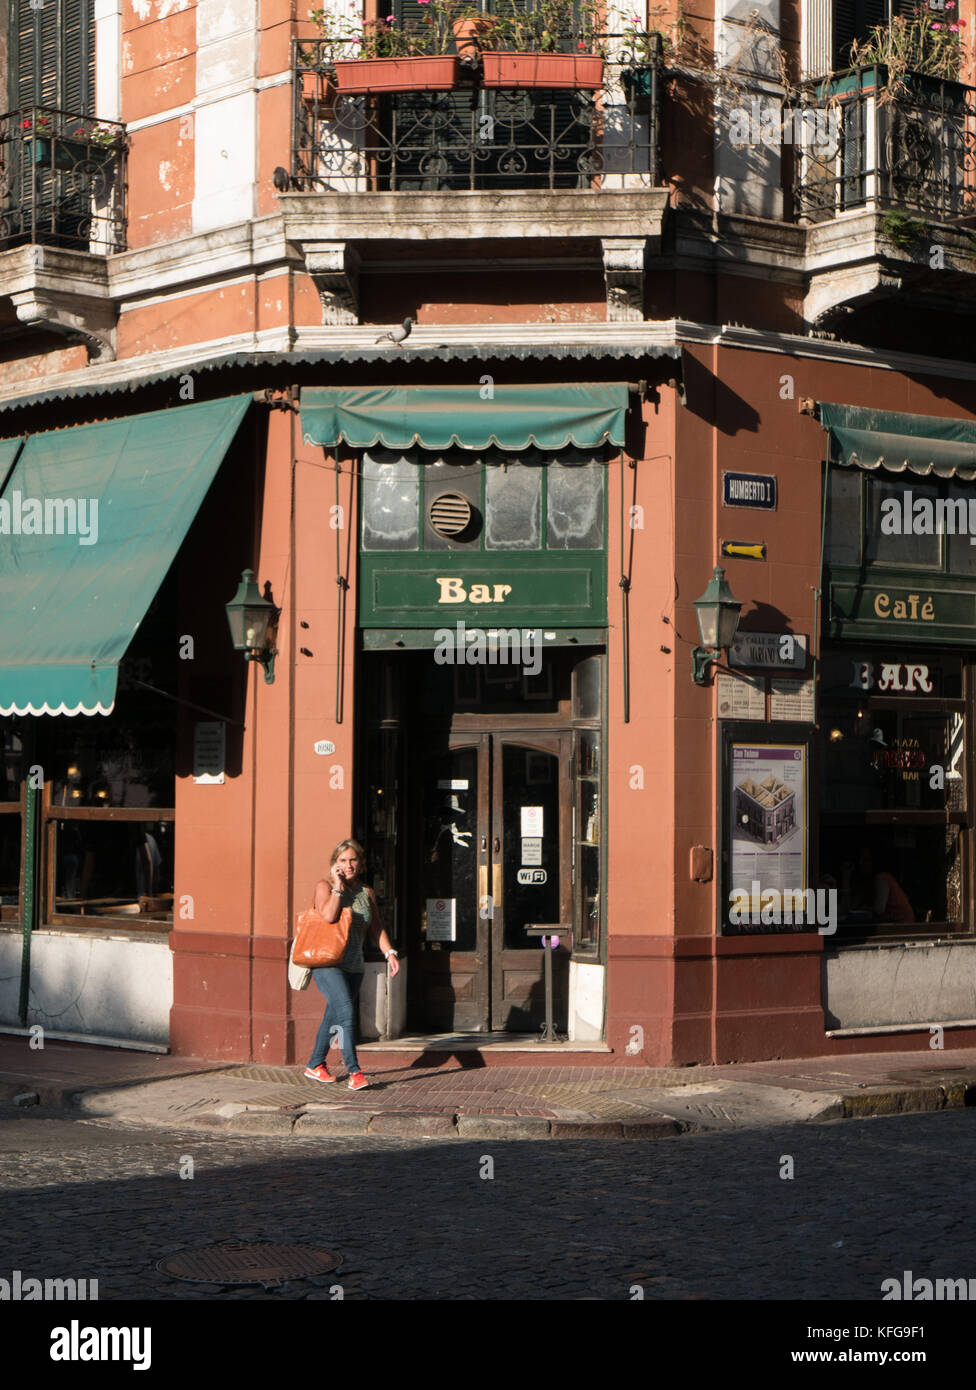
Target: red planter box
577,71
437,74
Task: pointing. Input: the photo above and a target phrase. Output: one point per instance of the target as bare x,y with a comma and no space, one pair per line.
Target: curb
908,1100
323,1120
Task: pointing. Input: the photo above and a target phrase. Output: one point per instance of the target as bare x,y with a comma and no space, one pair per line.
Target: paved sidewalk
463,1098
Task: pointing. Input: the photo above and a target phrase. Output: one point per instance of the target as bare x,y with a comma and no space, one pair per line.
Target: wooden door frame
438,743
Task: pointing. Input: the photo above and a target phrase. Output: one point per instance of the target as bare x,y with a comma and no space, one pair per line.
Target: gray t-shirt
362,912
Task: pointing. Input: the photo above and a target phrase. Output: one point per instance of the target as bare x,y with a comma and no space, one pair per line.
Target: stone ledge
440,216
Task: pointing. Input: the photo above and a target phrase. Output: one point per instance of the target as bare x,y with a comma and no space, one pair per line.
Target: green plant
345,38
642,37
551,26
924,44
105,135
904,231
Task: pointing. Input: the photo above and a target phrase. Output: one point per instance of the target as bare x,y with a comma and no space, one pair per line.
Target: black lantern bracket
717,612
253,621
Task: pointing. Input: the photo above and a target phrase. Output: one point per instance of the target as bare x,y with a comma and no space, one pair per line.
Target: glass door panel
451,984
531,816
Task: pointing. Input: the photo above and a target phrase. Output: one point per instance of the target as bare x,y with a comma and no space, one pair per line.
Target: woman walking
340,983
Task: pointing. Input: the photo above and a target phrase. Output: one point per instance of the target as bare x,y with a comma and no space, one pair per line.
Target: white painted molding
108,60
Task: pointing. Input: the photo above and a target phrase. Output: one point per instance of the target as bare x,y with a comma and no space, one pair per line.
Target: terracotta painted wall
323,784
737,998
640,763
231,852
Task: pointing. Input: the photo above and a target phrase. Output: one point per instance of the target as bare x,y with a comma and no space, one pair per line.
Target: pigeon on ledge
398,335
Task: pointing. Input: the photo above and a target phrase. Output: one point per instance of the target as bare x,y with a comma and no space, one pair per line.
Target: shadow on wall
712,401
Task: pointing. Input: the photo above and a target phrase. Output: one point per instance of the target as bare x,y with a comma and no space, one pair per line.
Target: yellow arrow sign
745,550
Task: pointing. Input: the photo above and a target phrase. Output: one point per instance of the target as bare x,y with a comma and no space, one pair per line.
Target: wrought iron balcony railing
475,137
910,146
62,180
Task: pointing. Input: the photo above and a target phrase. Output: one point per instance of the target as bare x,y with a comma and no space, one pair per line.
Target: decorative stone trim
334,268
91,320
623,268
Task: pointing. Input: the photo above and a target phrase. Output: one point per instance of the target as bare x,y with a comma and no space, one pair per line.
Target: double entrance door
495,856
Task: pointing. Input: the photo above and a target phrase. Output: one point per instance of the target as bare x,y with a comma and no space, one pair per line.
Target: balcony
62,181
476,163
908,147
475,138
62,214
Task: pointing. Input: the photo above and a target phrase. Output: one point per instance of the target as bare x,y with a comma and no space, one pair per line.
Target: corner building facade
637,350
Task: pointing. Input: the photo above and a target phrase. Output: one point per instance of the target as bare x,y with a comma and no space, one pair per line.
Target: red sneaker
357,1080
319,1073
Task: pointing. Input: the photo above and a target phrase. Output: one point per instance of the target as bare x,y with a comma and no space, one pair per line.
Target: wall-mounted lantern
252,619
717,612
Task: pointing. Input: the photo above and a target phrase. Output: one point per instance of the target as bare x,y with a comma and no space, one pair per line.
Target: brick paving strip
497,1101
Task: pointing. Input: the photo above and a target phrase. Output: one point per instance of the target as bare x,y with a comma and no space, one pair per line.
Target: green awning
923,444
439,417
90,521
9,449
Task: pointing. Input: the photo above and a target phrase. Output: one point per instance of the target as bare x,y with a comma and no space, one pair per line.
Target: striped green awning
90,521
925,444
440,417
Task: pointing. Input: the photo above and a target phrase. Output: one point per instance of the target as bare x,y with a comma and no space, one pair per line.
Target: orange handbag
318,942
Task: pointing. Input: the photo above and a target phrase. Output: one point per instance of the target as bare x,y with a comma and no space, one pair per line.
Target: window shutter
52,55
853,19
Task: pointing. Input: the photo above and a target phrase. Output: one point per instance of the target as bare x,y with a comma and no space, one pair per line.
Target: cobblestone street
697,1218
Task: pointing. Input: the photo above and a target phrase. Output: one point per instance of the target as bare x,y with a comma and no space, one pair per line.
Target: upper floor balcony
62,180
62,214
475,147
906,146
531,121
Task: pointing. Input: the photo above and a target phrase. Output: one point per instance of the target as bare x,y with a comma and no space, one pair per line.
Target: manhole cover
249,1262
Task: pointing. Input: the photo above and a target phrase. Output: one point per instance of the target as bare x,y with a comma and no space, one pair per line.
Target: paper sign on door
440,919
531,820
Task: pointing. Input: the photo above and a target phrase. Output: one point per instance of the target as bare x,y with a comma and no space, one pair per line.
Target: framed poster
767,862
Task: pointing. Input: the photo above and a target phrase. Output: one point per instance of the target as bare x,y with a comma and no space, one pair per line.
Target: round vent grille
449,514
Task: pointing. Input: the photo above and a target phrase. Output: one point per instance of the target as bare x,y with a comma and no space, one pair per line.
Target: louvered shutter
556,121
406,120
532,121
853,19
51,63
52,55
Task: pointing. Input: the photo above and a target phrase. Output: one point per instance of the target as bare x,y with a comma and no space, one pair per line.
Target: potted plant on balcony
70,143
553,45
914,56
384,56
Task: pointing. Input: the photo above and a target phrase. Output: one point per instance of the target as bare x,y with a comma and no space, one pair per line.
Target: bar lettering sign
749,490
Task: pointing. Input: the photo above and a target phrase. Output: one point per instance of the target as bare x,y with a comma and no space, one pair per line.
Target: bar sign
749,490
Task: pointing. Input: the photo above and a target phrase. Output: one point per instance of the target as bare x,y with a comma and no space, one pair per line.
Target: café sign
936,614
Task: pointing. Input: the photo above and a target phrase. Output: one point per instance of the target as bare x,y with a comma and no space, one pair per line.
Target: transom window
493,501
905,521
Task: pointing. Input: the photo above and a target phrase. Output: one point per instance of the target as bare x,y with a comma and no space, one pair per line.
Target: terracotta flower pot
427,74
467,32
576,71
318,92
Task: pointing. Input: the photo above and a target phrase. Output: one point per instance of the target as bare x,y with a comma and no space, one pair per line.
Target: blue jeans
341,991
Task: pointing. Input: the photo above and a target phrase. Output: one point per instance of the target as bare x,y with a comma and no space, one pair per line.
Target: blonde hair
358,850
